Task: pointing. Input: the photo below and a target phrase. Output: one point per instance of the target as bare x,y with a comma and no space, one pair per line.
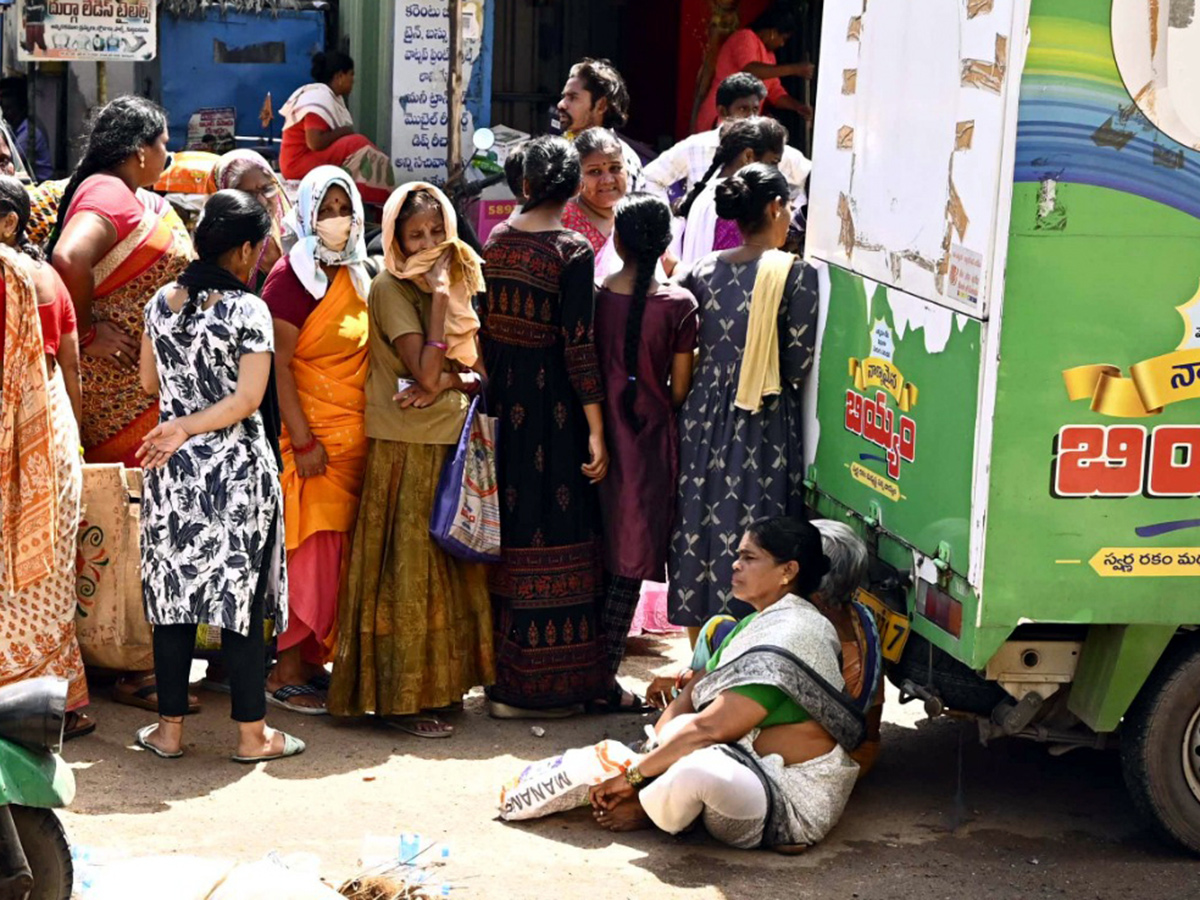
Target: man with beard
595,96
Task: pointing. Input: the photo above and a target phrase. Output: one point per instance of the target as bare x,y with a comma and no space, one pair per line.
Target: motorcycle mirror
484,139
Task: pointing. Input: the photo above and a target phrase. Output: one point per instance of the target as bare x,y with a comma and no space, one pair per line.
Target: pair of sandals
292,746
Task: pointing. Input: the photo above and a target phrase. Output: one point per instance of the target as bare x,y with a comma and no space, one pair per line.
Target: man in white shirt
739,96
595,96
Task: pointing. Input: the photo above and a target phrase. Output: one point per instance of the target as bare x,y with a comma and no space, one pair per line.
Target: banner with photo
95,30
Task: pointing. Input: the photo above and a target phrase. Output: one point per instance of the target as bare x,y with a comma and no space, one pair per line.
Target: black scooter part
16,878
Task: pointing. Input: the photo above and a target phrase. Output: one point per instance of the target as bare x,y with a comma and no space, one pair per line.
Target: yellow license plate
893,626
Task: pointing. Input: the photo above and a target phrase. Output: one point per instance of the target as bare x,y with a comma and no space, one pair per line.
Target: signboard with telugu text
83,30
420,76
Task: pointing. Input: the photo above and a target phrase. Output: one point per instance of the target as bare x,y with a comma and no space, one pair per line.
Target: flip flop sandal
143,742
612,704
140,697
292,746
83,726
282,697
321,681
412,725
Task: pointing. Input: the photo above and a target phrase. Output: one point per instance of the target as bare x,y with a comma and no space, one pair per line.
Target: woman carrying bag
414,623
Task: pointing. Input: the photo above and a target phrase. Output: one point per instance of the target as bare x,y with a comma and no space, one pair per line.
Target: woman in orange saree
116,244
317,297
39,501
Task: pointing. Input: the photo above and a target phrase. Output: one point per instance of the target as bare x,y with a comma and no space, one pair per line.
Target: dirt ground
940,816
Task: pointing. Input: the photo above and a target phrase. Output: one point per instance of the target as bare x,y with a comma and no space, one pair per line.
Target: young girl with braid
756,139
645,338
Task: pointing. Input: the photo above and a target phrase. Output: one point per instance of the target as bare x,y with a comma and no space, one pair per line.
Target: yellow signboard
1142,562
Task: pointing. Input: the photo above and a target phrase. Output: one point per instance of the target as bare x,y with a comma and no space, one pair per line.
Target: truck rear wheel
1160,747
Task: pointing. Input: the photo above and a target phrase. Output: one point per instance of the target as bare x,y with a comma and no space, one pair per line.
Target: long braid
758,134
118,130
643,224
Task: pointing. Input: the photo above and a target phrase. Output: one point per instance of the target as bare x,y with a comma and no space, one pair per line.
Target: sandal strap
288,691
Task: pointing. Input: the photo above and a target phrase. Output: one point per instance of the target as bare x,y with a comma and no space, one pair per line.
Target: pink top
739,50
58,318
110,198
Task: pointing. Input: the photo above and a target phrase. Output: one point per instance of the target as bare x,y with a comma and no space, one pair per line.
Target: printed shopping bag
466,508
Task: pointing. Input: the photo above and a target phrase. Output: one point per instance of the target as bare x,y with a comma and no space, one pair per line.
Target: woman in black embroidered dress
545,390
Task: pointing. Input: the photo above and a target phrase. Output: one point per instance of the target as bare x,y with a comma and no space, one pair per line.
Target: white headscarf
308,251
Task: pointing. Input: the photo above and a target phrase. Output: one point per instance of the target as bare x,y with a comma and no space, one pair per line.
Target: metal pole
31,133
454,151
101,83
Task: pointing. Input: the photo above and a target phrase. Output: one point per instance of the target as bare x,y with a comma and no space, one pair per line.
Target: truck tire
961,688
1160,747
46,848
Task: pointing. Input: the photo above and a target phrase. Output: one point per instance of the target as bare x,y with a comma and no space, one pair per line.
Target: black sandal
613,703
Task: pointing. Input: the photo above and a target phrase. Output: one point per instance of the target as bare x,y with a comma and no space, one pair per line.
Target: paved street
1023,824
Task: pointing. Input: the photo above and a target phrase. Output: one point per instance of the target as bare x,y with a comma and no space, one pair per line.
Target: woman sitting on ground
712,757
318,130
862,654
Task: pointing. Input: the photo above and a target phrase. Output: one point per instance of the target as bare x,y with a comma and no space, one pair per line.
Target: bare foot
166,736
626,816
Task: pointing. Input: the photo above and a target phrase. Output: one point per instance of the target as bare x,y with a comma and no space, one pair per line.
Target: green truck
1005,205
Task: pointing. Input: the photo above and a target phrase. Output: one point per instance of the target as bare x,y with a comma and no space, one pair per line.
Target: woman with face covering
317,297
212,510
415,624
245,170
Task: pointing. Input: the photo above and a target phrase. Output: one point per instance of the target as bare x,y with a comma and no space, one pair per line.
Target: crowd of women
293,400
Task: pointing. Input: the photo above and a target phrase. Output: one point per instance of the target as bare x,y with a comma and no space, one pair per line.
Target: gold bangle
635,778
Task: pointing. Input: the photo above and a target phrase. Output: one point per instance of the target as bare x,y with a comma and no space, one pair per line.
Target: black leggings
243,655
620,603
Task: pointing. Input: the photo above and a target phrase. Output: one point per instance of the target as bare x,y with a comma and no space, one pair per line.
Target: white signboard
420,76
913,143
99,30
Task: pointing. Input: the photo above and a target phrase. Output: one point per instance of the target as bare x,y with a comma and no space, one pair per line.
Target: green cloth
781,709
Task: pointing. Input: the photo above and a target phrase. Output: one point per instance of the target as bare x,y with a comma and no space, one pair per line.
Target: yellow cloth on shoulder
759,377
466,272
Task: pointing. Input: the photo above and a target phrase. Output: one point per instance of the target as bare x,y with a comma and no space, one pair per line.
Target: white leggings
711,784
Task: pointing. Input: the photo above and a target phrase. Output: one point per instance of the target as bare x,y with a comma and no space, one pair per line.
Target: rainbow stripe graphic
1078,123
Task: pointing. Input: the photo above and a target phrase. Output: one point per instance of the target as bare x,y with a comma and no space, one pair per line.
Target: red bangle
85,339
440,345
307,448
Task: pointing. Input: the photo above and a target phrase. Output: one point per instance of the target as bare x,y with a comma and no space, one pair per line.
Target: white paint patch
808,392
909,312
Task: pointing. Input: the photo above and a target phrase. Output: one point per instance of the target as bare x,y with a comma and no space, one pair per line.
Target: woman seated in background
713,756
318,130
245,170
862,654
746,141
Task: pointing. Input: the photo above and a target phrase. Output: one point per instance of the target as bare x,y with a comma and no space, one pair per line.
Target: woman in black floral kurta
544,387
212,524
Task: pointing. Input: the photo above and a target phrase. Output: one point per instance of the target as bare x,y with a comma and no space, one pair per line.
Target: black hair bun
733,198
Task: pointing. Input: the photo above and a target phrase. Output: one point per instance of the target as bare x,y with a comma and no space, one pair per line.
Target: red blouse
58,318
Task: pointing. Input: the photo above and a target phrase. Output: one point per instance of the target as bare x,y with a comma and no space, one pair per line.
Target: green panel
369,25
1102,291
928,500
39,780
1115,662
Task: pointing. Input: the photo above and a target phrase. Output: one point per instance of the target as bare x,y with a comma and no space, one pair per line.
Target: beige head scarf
466,272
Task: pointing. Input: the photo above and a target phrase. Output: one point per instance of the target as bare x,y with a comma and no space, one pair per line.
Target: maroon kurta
637,498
